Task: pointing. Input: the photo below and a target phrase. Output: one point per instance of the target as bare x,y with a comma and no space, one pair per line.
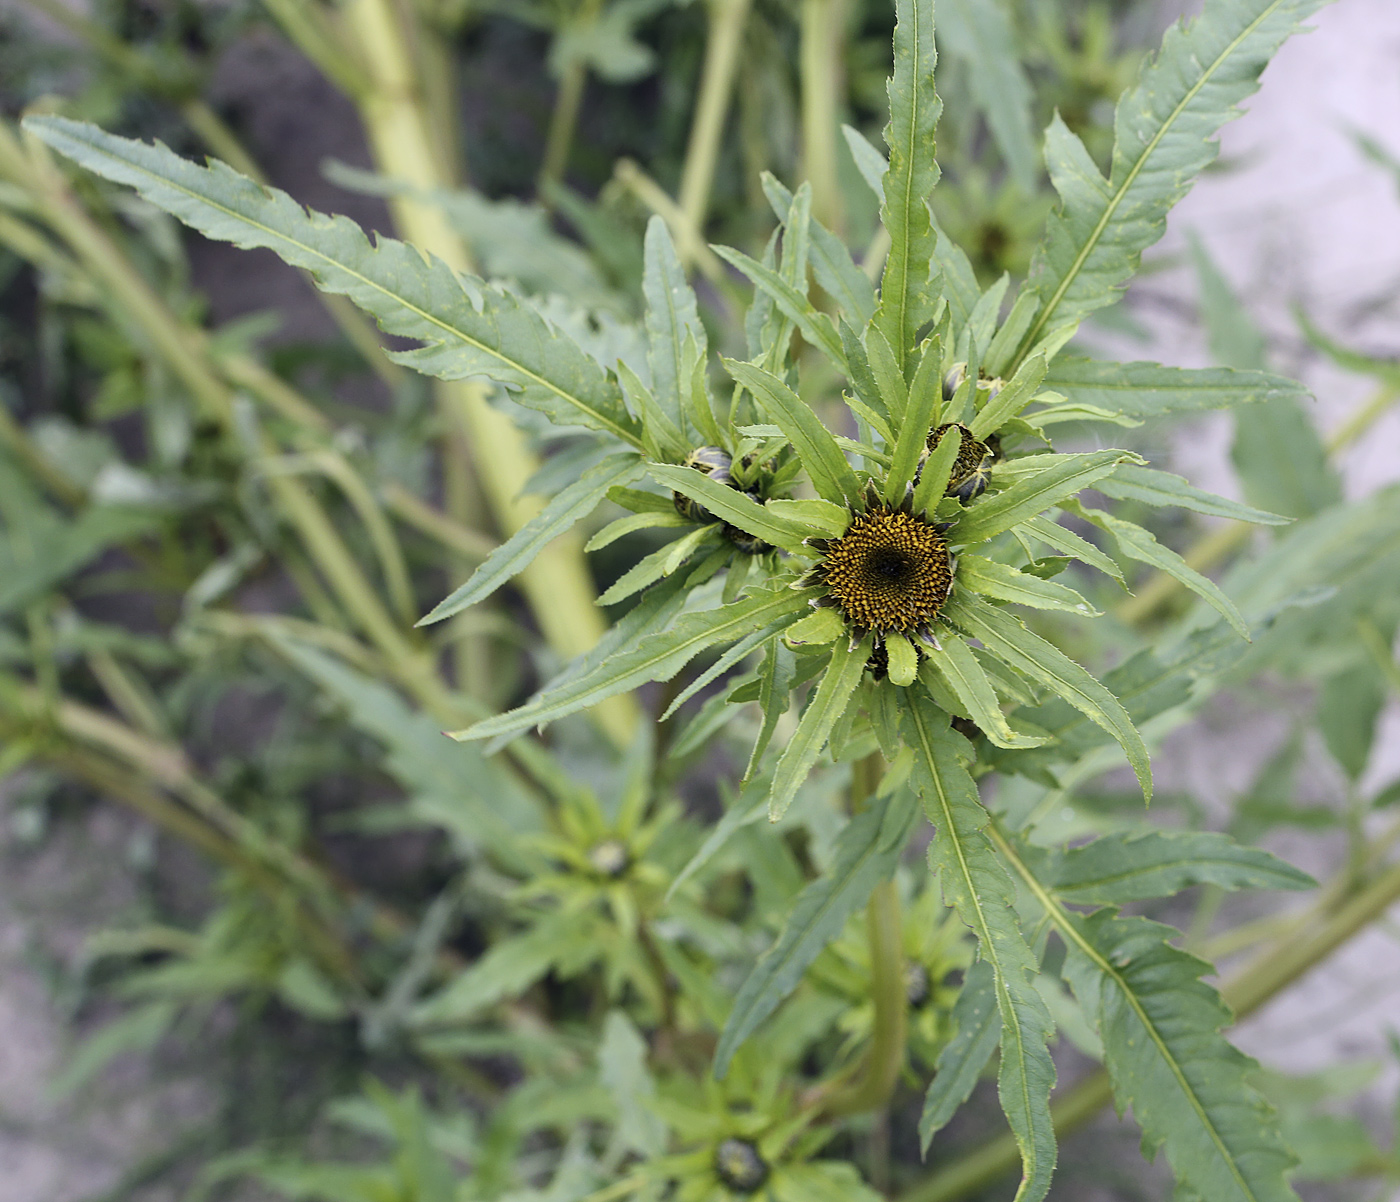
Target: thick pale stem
557,584
822,54
722,51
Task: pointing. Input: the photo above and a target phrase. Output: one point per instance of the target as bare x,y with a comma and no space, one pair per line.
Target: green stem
723,45
567,101
823,78
885,931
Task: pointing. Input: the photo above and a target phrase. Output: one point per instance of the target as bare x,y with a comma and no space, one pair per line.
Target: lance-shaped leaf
1163,131
977,886
906,301
1137,543
959,669
1130,482
1116,869
468,328
1041,487
574,502
1149,389
977,1021
1005,583
735,507
1007,638
835,270
1014,396
672,318
658,657
817,328
1160,1025
867,852
832,695
830,474
1052,533
925,398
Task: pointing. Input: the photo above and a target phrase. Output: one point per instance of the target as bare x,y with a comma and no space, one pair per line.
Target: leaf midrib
1061,919
1093,240
621,432
984,932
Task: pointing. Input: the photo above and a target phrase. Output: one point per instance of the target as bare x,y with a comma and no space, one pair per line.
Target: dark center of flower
889,571
739,1166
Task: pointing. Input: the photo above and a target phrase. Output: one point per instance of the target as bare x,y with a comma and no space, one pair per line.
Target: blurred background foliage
222,508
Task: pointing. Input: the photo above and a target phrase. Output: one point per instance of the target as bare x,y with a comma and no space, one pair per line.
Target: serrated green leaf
1163,129
735,507
1055,535
1188,1088
826,466
830,520
1149,389
833,693
1061,476
1116,869
1015,395
867,851
660,563
574,503
835,271
775,682
954,661
735,654
1137,543
1008,639
937,471
977,1023
817,328
906,301
821,626
468,328
633,522
658,657
672,317
920,416
1131,482
977,886
1005,583
887,373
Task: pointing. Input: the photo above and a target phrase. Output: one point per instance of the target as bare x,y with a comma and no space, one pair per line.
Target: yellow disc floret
890,571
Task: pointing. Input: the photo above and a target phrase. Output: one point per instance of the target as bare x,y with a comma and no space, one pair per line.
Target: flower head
889,573
972,467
